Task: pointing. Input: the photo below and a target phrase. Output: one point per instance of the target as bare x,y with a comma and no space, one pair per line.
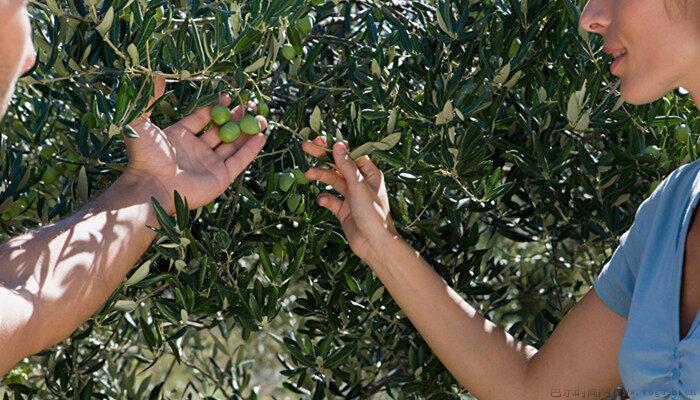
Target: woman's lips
616,64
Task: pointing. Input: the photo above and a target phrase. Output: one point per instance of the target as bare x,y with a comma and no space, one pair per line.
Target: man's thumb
158,90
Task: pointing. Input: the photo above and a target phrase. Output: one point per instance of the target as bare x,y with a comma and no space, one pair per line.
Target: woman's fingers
346,166
333,204
316,147
333,178
372,174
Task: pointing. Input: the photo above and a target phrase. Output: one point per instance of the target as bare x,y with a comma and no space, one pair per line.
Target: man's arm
74,264
56,277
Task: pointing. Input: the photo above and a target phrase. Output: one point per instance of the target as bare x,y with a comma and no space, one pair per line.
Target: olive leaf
124,305
256,65
134,54
391,124
139,274
502,74
106,22
446,115
82,184
369,147
315,120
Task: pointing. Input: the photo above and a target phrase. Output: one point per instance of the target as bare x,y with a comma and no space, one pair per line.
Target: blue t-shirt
642,282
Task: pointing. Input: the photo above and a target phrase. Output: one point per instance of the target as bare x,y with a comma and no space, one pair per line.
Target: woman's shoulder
680,180
668,199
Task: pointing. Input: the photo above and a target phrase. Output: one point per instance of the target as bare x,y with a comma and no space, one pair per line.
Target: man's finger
328,177
239,111
226,150
200,118
346,166
158,90
263,123
315,147
238,162
142,122
211,137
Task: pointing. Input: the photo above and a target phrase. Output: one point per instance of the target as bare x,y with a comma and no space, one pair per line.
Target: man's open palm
200,168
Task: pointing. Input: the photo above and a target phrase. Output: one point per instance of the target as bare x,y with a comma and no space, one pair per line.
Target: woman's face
17,53
661,39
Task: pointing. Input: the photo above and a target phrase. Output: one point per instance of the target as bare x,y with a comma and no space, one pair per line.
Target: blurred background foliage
513,167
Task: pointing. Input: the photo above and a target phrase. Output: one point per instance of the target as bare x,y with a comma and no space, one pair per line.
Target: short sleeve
615,283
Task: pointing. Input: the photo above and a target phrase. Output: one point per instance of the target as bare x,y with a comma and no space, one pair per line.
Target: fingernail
340,149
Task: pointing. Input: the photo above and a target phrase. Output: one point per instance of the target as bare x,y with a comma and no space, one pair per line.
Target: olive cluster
231,130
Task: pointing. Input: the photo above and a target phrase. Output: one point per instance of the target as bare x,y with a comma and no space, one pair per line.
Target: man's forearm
62,273
485,359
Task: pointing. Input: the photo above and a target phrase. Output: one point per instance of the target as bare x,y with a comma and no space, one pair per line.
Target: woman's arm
579,357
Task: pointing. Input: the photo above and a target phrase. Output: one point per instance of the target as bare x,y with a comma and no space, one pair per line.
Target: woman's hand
199,168
363,211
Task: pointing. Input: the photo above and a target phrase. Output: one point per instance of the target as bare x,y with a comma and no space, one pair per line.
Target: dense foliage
511,165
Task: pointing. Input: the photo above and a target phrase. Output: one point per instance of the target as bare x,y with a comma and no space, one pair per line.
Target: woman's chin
638,97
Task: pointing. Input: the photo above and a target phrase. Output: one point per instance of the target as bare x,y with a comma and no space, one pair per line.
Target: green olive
73,165
682,132
46,152
285,180
220,115
278,249
653,151
263,109
245,96
288,51
296,203
250,125
89,120
306,24
299,177
229,132
49,175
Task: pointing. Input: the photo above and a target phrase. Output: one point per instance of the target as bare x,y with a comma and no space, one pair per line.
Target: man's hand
55,277
174,158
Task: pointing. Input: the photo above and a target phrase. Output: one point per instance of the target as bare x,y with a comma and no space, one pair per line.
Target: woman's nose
595,17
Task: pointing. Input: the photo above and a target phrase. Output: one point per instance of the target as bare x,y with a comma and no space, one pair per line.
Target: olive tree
512,165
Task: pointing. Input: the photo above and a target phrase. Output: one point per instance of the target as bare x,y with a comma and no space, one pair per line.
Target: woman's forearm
484,358
62,273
